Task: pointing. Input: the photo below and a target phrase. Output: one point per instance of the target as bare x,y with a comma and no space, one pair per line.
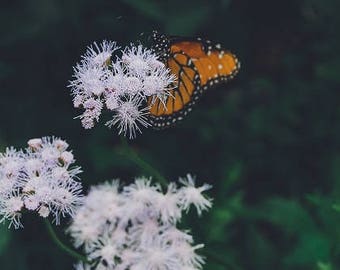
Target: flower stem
61,245
134,157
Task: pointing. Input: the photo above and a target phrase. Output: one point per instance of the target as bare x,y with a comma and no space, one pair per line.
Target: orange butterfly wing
212,63
197,65
187,78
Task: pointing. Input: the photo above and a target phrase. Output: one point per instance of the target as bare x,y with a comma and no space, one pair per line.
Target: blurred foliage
268,141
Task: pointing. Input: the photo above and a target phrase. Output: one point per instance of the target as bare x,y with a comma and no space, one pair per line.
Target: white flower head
159,82
65,199
168,205
10,208
44,211
34,143
39,178
106,249
139,60
93,108
134,228
112,101
129,117
67,157
193,195
126,86
11,162
99,55
116,80
33,164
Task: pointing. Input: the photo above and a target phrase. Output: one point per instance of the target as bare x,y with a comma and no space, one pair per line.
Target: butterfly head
161,45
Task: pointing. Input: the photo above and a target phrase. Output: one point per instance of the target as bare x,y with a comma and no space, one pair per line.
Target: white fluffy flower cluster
126,86
135,227
39,178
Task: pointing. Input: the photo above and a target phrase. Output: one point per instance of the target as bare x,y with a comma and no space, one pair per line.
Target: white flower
193,195
145,232
112,101
34,143
105,249
67,157
139,60
142,191
34,164
186,253
168,205
11,162
39,179
175,236
134,228
65,199
50,153
129,117
116,79
87,120
7,185
127,86
10,207
159,82
60,174
60,144
100,207
99,55
93,108
44,211
132,85
79,99
158,255
89,80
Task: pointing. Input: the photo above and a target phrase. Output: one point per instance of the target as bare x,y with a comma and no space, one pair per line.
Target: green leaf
309,248
287,214
324,266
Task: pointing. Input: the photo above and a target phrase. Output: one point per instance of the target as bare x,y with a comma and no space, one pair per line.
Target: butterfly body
198,65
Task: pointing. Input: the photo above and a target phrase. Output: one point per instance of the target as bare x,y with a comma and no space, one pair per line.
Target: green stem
61,245
134,157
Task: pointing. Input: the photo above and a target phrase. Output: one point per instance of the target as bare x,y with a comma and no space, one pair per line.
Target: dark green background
268,141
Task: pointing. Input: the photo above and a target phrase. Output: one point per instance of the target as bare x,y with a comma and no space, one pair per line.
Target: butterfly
198,66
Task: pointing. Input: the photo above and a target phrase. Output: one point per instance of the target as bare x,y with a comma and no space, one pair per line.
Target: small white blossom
134,228
34,143
99,55
112,101
10,207
39,179
129,117
44,211
89,81
93,108
126,86
168,205
11,163
67,157
61,145
34,164
192,195
139,60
